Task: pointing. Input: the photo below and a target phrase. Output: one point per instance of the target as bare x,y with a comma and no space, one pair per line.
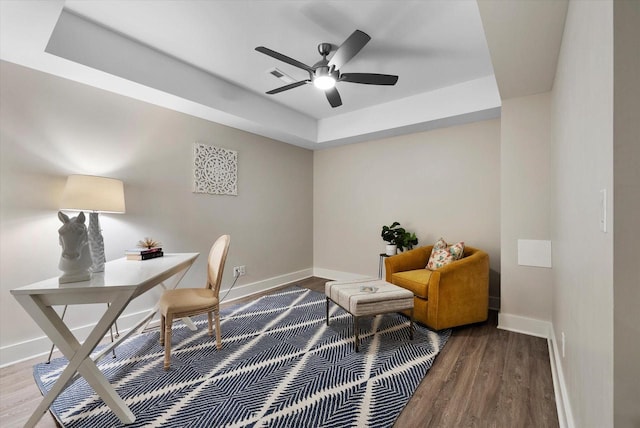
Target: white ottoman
368,297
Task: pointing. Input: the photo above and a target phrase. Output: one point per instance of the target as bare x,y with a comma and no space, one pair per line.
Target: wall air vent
281,75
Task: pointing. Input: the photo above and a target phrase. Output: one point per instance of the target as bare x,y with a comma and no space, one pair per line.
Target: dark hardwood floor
484,377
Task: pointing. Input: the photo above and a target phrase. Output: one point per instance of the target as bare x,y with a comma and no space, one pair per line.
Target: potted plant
397,238
389,236
407,240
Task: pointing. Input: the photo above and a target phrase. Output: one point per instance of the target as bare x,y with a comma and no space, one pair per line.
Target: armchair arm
409,260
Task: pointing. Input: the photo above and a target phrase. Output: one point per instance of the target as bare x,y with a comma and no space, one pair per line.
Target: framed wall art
215,170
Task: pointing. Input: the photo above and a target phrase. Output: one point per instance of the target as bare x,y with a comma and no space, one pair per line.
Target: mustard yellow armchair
453,295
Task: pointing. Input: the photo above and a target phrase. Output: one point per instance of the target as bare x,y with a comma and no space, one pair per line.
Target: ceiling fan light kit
326,73
324,82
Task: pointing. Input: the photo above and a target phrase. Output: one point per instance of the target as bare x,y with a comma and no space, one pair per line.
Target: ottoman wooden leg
355,333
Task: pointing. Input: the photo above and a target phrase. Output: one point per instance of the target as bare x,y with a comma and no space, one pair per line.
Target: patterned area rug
280,366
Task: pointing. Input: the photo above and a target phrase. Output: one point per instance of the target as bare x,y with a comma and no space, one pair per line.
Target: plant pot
392,250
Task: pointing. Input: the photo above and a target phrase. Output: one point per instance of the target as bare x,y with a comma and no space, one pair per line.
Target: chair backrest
217,260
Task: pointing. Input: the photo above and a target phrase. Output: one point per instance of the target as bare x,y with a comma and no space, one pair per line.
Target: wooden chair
187,302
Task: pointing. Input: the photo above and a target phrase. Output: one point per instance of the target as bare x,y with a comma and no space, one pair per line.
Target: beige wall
626,229
52,127
441,183
525,177
582,117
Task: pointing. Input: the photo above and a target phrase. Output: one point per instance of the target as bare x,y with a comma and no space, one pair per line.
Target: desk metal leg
78,355
64,311
113,351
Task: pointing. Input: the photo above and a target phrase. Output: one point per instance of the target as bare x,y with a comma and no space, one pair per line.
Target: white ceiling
198,57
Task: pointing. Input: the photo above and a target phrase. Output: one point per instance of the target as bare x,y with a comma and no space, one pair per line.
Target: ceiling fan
324,74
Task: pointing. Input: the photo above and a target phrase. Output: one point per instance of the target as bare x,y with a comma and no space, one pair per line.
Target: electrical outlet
239,271
562,339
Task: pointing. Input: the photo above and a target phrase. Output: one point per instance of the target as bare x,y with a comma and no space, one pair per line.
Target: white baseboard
264,285
40,346
336,275
565,416
524,325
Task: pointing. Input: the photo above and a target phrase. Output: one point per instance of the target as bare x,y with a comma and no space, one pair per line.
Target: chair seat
182,300
416,281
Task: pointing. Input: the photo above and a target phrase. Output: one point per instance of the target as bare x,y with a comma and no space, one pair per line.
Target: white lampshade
90,193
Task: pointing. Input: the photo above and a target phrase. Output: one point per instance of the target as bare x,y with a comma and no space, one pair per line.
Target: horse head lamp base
75,260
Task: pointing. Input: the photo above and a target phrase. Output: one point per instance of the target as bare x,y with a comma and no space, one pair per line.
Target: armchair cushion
443,254
416,281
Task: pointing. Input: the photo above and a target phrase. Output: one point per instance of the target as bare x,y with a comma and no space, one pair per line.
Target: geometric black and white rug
280,366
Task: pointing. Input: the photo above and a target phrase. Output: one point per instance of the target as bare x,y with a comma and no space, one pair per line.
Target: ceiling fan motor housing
324,70
325,49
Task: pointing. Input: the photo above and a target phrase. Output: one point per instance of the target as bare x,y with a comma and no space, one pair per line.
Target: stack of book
144,253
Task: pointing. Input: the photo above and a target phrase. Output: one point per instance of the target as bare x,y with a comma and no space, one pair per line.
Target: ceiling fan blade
347,50
287,87
284,58
334,97
369,78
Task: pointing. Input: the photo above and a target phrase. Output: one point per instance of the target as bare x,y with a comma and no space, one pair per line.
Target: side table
382,257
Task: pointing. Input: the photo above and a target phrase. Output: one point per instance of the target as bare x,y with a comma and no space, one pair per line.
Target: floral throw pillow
443,254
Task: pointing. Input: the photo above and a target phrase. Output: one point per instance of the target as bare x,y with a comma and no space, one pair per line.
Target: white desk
122,281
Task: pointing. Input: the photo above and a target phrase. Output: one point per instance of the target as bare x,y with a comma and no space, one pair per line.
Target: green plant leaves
396,235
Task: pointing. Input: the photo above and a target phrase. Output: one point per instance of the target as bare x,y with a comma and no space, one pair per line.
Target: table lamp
94,195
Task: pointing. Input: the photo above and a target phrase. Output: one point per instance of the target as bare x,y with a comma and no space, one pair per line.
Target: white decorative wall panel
532,252
215,170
